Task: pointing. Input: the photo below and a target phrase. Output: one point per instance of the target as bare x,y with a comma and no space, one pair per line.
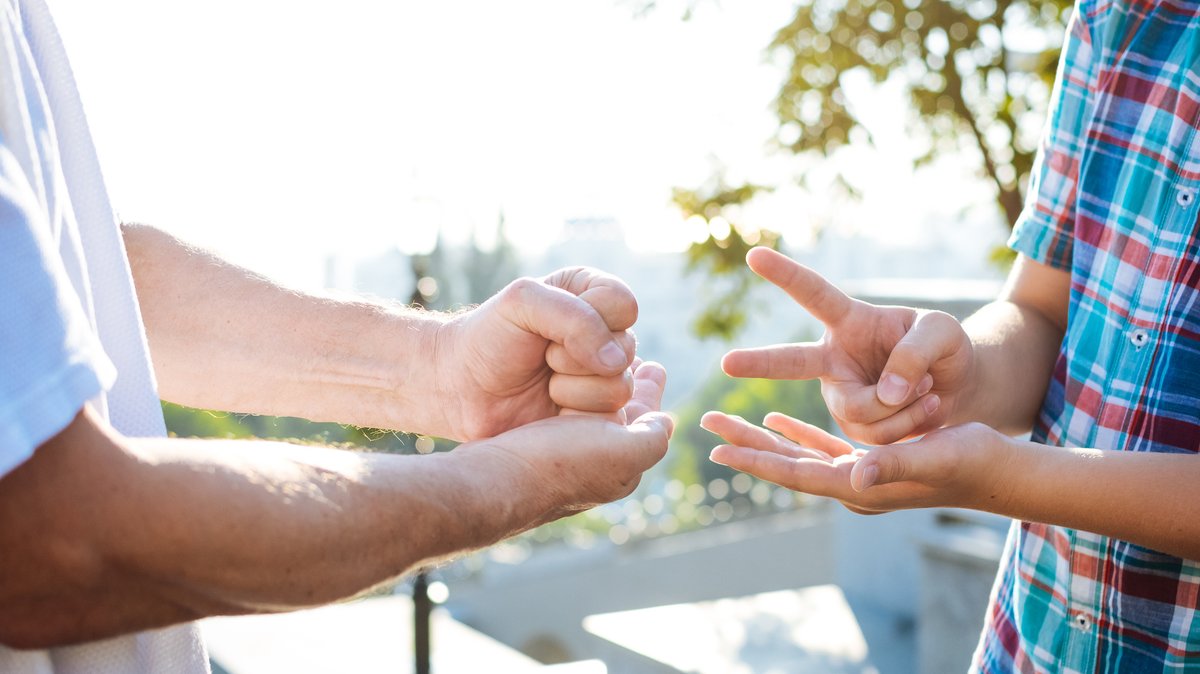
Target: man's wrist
414,401
502,497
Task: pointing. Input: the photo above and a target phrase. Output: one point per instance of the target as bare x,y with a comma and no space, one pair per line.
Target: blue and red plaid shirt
1113,200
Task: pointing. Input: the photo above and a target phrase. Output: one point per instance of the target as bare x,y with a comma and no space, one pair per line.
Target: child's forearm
1147,498
1016,340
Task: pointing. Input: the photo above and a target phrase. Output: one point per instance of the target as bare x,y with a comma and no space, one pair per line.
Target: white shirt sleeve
51,362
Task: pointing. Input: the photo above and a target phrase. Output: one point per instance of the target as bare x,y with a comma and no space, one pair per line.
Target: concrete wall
538,606
958,570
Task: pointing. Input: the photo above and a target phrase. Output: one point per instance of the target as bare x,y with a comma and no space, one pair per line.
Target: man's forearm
159,531
222,337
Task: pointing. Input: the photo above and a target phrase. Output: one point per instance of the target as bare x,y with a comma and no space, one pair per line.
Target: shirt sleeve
1045,229
51,362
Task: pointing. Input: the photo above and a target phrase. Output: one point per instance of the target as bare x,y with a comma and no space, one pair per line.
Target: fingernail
892,389
869,475
612,355
925,385
931,404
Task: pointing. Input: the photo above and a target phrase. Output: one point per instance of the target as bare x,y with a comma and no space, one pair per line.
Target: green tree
968,85
721,255
978,74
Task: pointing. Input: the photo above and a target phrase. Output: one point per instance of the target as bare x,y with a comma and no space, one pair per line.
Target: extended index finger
812,291
781,361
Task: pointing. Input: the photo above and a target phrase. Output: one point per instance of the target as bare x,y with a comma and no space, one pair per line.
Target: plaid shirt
1113,200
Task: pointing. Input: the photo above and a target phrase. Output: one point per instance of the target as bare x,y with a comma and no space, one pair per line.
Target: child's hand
959,466
887,373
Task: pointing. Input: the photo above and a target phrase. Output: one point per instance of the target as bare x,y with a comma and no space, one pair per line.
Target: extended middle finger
738,431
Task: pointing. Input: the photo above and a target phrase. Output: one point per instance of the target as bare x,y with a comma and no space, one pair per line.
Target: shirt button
1083,622
1185,197
1139,337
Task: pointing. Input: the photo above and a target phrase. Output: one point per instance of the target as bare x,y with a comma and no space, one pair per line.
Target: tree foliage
721,255
978,75
968,85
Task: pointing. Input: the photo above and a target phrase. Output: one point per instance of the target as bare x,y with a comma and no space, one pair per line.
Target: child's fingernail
931,404
925,386
892,389
869,475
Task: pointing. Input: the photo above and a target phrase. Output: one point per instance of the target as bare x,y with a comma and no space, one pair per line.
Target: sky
280,133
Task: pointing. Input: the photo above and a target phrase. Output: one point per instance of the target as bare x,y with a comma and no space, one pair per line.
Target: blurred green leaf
720,259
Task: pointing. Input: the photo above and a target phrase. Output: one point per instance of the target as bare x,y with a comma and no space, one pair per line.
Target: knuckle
906,350
613,399
603,395
565,277
521,290
616,302
939,318
794,360
907,357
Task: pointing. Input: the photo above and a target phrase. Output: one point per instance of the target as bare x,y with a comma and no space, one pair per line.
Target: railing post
422,608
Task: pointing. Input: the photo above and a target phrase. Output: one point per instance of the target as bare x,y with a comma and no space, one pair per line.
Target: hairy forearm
222,337
1142,497
162,530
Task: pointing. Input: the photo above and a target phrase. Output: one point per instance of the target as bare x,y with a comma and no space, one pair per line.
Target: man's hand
570,463
101,534
222,337
951,467
535,348
887,373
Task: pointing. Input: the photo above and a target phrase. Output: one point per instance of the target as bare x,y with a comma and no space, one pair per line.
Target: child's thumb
881,465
